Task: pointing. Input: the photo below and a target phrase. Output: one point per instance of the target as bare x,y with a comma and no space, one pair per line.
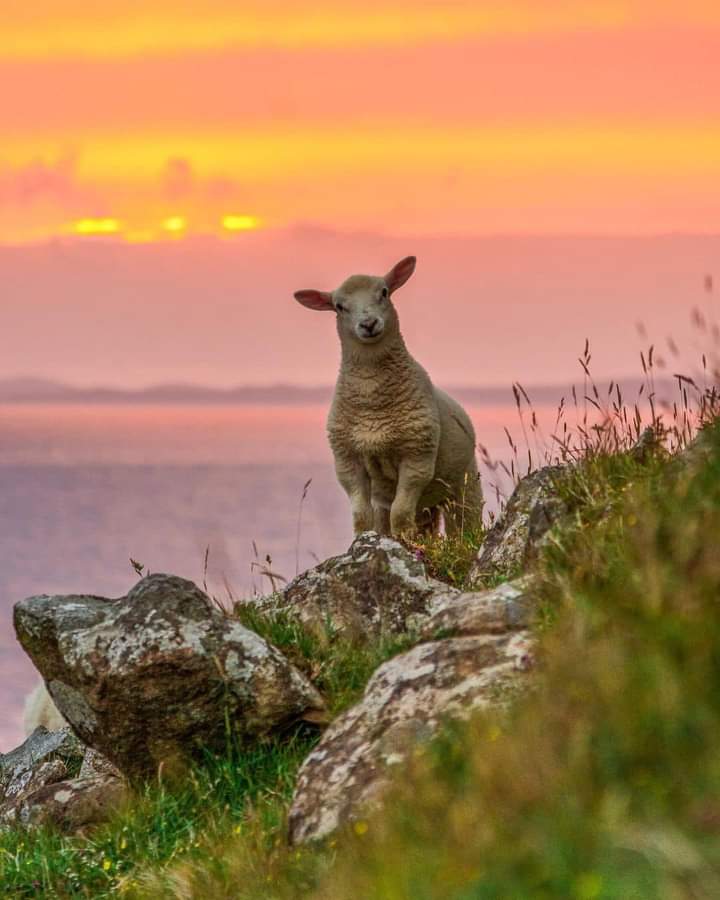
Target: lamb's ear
320,300
400,272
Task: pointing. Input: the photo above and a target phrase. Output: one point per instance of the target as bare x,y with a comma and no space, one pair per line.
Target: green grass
450,558
225,800
339,669
249,787
604,784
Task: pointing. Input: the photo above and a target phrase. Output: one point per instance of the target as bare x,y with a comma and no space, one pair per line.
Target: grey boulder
157,676
515,538
70,806
43,757
507,607
40,784
404,703
377,588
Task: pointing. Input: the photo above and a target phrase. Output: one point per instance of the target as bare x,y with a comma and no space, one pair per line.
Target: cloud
47,198
180,183
157,28
39,181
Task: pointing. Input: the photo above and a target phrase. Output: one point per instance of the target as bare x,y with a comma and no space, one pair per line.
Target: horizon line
38,390
230,236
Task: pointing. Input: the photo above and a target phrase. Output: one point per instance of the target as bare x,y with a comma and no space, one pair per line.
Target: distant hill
43,391
37,390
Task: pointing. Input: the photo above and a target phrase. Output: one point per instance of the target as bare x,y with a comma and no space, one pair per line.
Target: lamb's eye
339,307
384,293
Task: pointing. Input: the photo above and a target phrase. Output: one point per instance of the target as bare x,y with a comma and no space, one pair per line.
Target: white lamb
404,450
40,710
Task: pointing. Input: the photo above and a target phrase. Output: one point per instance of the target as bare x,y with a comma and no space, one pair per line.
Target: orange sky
158,119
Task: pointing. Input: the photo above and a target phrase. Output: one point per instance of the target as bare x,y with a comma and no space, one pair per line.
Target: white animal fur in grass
404,450
40,710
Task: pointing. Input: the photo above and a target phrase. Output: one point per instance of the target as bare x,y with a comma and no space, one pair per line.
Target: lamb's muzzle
404,450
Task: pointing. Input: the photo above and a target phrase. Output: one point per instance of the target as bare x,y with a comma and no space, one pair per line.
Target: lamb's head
365,313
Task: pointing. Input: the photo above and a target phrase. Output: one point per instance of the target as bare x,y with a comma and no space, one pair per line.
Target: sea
232,497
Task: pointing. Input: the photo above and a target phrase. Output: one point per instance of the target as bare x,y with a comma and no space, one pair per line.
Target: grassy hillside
604,783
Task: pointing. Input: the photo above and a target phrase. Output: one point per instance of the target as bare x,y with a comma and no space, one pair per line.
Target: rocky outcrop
40,784
43,757
377,588
508,607
513,541
69,806
157,675
404,703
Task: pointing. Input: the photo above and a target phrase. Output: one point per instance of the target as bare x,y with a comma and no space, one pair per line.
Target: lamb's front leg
355,482
382,494
414,475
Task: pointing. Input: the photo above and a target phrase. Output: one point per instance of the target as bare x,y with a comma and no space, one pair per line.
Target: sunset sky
409,116
151,121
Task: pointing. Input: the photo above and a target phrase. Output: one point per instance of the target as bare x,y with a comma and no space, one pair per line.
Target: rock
95,763
38,787
70,806
43,757
650,444
377,588
513,541
49,772
404,702
698,450
508,607
150,678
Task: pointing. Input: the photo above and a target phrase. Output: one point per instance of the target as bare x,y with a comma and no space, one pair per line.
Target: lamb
40,710
404,451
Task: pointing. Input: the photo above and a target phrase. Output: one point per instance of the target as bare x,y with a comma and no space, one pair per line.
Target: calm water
84,489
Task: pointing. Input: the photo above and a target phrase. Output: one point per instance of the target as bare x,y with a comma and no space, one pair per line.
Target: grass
606,784
339,669
240,798
603,785
450,558
164,823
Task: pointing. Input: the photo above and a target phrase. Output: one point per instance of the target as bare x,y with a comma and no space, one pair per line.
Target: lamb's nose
369,325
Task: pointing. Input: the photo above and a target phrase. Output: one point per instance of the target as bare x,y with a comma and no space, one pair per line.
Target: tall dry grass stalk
669,405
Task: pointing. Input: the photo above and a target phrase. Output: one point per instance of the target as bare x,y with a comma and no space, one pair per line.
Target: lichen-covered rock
45,756
404,702
513,541
154,676
95,763
508,607
377,588
70,806
650,444
38,784
49,772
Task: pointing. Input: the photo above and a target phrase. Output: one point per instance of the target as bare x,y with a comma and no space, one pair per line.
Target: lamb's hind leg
428,520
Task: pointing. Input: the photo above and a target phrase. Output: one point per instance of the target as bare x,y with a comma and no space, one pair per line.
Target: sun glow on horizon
149,232
97,226
175,224
222,117
240,223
